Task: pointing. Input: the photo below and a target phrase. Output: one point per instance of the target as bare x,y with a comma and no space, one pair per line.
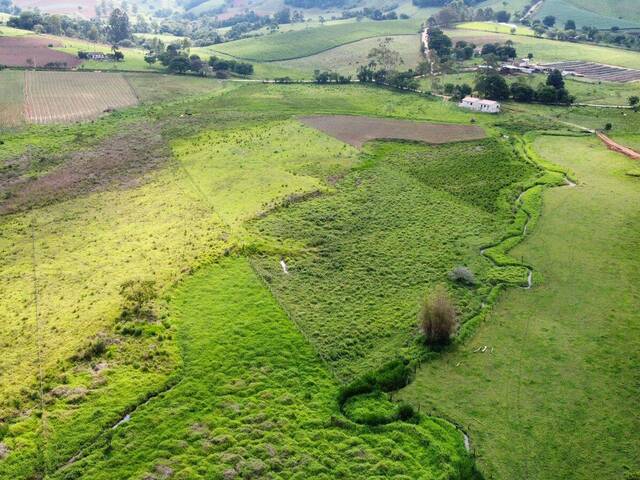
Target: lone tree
437,318
119,28
549,21
634,101
570,25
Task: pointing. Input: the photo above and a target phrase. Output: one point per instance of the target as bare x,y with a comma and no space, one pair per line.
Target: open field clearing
13,32
358,130
596,71
619,9
141,224
302,43
30,51
496,28
557,384
258,405
190,287
11,97
133,57
545,50
69,96
347,58
602,15
151,88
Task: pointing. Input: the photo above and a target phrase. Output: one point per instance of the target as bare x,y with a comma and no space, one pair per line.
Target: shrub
463,275
406,412
437,318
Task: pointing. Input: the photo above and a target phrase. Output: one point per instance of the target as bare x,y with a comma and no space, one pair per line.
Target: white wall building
480,105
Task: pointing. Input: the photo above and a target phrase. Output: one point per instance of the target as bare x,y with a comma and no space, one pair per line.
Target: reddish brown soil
358,130
19,51
616,147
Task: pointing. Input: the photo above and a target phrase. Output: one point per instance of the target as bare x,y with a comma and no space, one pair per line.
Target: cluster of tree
322,4
323,77
373,14
443,3
116,30
458,11
457,92
177,60
7,6
503,53
491,85
382,68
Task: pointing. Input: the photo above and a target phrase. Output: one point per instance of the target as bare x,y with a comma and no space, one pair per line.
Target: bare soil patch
357,131
119,161
31,51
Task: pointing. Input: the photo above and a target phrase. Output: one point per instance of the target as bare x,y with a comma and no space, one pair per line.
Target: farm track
616,147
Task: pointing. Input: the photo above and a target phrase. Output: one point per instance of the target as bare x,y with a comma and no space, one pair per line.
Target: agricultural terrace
302,43
70,96
545,50
552,388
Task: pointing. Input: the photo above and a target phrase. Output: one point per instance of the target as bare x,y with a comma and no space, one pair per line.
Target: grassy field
356,290
626,9
553,396
126,220
347,58
256,401
13,32
11,97
133,57
496,28
602,14
151,88
236,372
303,43
545,50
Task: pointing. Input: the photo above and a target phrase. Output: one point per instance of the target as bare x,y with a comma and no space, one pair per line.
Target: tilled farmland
51,97
599,71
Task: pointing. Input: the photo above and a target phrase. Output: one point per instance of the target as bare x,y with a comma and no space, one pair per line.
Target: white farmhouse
480,105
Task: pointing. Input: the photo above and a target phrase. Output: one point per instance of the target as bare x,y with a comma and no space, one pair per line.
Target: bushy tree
570,25
549,21
492,86
503,16
119,28
522,92
437,318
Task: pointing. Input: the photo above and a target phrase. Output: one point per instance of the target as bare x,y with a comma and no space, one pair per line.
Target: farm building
480,105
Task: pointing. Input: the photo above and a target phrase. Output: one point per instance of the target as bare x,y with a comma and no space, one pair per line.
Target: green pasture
303,43
255,400
133,57
13,32
346,59
160,226
620,9
391,232
496,28
545,50
553,395
600,14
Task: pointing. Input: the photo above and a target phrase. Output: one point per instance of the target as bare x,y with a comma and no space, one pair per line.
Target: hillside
601,14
